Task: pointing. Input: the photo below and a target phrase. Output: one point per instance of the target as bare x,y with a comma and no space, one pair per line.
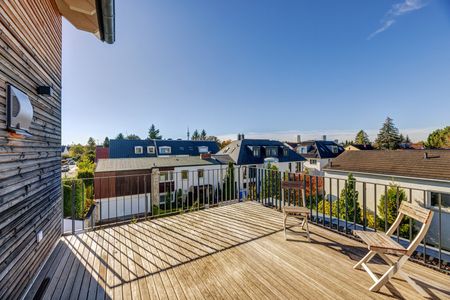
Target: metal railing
105,200
345,204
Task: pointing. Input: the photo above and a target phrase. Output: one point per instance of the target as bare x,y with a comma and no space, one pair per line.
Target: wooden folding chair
381,243
300,213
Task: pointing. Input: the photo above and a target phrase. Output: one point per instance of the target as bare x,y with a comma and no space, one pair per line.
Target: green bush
79,198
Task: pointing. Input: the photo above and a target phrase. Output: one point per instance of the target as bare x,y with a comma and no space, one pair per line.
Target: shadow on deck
234,251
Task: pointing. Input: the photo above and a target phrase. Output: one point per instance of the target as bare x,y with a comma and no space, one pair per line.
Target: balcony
231,251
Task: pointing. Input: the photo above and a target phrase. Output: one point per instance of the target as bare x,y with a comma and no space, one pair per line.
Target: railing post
364,206
145,197
73,206
440,229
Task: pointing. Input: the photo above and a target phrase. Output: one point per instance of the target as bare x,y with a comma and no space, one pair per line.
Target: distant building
260,152
158,148
65,150
422,174
357,147
318,154
123,186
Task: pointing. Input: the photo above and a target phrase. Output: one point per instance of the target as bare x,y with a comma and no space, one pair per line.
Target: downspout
106,20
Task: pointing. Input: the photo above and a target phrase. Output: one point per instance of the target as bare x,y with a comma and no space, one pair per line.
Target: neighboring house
358,147
128,181
422,174
157,148
30,72
65,150
318,154
259,152
101,153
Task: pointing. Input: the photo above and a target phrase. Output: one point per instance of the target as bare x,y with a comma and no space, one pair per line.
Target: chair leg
385,278
307,229
365,259
408,279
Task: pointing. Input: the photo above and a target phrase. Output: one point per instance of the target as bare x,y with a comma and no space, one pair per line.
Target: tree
228,184
120,136
153,133
387,209
224,143
106,142
89,153
362,138
388,137
132,137
195,135
203,135
348,202
439,138
76,151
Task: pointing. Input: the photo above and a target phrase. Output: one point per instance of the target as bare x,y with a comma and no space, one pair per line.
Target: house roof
97,17
406,163
362,146
125,148
320,149
241,151
148,163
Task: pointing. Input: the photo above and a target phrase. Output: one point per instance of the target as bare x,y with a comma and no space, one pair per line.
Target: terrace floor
236,251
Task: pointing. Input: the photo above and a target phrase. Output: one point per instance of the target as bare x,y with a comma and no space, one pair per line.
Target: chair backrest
415,212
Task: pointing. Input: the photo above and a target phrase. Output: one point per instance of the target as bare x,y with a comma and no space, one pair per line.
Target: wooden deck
231,252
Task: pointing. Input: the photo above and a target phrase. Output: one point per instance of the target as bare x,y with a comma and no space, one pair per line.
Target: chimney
324,137
240,136
299,138
425,155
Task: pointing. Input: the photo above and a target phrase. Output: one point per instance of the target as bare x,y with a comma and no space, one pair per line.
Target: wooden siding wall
30,186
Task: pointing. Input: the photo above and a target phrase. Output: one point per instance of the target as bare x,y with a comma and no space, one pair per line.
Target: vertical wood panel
30,173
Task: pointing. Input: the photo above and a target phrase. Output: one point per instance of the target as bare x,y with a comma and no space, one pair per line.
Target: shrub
78,197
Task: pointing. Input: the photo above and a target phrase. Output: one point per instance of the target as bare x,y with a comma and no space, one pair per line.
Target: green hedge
79,198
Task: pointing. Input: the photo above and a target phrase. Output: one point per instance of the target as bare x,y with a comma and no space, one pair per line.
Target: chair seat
295,210
380,242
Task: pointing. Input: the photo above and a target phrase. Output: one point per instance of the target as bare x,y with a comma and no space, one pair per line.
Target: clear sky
261,67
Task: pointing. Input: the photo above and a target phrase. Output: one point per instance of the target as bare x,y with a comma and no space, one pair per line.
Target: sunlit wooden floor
230,252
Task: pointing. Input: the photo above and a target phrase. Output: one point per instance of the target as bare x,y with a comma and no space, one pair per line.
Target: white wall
418,190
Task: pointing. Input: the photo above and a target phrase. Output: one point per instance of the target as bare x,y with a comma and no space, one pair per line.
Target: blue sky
264,68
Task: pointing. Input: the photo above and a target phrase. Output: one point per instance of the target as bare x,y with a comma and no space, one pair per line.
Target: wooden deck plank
232,252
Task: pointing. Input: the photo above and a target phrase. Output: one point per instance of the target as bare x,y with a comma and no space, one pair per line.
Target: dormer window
165,150
256,151
271,151
151,149
285,152
203,149
138,150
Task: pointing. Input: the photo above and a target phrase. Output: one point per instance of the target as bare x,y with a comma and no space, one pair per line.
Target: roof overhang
95,16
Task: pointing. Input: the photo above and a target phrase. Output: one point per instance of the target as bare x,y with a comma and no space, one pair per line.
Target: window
203,149
285,152
445,200
138,150
165,150
200,173
290,167
185,174
271,151
244,172
302,149
313,161
151,149
256,152
298,167
165,176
